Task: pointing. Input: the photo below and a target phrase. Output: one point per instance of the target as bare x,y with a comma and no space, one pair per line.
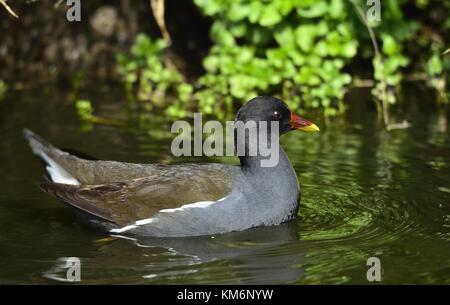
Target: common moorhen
181,199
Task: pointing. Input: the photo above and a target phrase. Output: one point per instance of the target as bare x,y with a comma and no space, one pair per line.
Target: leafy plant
150,80
304,51
387,65
296,49
436,68
84,110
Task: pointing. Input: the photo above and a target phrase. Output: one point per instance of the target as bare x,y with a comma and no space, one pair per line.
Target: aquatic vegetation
85,112
84,109
301,51
436,68
3,89
149,79
296,49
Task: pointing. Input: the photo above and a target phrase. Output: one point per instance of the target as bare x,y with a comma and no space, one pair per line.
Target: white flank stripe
200,204
143,221
123,229
134,226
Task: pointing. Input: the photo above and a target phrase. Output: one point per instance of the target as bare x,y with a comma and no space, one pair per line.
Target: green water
365,192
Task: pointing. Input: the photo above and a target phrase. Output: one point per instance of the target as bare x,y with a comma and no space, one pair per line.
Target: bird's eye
276,115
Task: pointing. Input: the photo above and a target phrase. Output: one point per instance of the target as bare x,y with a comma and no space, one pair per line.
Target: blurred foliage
297,49
148,78
84,109
85,112
387,67
304,51
397,32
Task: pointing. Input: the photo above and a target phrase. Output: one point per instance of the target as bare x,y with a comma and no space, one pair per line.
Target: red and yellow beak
302,124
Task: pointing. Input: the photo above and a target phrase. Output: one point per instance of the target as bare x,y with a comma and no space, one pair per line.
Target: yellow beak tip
310,128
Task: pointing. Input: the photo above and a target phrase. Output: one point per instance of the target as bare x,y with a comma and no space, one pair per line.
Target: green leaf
211,63
239,85
306,76
276,57
336,9
270,16
221,35
285,37
238,29
244,55
304,36
318,9
349,49
321,48
434,65
238,11
84,109
209,7
285,6
256,9
390,45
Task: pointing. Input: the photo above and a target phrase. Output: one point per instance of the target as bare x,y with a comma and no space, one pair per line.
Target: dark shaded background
43,45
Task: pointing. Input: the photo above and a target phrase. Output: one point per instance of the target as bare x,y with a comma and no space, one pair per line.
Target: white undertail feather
40,148
56,172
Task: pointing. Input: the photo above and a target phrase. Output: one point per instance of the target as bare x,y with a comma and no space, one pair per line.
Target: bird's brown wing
126,202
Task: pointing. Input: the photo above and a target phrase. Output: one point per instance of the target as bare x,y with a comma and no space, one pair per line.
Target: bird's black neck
257,151
253,164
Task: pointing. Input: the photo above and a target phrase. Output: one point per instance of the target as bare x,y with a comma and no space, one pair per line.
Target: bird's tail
50,155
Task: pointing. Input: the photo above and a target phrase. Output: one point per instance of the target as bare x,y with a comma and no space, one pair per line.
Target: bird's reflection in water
255,256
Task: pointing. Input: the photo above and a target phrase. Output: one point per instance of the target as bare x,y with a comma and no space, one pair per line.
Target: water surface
365,192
